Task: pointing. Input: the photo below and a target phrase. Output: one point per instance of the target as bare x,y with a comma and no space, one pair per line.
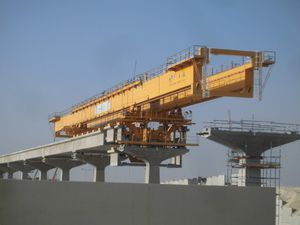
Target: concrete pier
23,168
3,171
7,170
250,172
42,167
65,164
10,174
153,157
250,141
99,161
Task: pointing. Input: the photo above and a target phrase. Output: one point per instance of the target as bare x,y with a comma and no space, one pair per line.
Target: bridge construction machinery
143,119
159,96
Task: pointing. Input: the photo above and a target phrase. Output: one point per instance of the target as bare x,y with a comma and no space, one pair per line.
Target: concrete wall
289,206
79,203
287,217
219,180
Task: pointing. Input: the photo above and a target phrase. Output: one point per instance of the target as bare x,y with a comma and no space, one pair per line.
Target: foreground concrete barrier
80,203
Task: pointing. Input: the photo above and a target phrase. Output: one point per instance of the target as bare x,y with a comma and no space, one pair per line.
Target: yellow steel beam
179,86
219,51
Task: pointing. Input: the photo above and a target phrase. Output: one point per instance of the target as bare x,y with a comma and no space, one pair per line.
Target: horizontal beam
92,141
219,51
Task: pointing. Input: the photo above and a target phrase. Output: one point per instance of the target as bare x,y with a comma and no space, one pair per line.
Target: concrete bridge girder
93,141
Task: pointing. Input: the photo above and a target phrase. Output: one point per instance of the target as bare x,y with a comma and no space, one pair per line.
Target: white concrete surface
216,180
89,141
289,211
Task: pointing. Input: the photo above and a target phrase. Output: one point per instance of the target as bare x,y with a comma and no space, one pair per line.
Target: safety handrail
253,126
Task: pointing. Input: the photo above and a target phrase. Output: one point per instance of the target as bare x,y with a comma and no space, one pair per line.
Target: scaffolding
269,164
254,154
266,160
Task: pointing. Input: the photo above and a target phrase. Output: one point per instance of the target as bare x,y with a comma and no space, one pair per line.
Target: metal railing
184,54
269,57
224,67
253,126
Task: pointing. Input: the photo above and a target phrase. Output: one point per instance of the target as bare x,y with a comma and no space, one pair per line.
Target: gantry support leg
153,158
65,164
99,161
42,167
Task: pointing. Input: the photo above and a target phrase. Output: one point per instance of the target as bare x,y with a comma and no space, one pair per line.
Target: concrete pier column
5,168
65,164
44,175
10,175
99,161
25,176
2,172
250,171
99,174
42,167
23,167
65,173
152,172
153,158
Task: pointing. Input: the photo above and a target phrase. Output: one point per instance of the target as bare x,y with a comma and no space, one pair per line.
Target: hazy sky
56,53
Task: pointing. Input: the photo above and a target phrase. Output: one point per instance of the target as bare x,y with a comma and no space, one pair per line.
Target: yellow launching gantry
159,95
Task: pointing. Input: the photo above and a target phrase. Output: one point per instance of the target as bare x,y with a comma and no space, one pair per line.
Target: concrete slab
251,143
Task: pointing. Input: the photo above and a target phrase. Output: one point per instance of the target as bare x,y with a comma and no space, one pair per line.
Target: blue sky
56,53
